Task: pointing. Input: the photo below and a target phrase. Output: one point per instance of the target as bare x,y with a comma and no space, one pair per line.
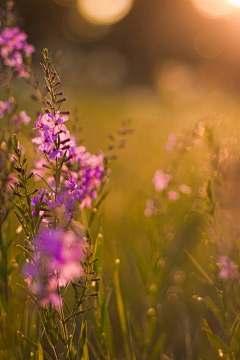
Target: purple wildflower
21,118
85,178
15,51
56,261
5,107
228,269
53,137
161,180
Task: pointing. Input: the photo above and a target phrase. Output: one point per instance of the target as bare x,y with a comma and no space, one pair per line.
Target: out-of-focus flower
173,195
21,118
161,180
228,269
11,181
150,209
171,143
200,128
185,189
40,168
5,107
15,51
55,262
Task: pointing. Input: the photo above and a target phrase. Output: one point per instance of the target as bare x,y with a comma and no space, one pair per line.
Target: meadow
115,246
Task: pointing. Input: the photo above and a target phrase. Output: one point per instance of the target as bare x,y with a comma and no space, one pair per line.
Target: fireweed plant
53,302
58,253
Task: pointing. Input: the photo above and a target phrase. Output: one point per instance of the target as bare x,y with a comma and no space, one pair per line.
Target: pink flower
171,143
161,180
5,108
24,118
15,51
21,118
173,195
149,211
39,169
56,261
185,189
228,269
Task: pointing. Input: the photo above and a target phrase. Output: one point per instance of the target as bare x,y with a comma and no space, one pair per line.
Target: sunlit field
119,182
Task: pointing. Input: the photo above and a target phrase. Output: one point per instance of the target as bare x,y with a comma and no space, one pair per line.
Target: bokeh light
234,2
209,43
78,30
64,2
176,79
104,11
214,8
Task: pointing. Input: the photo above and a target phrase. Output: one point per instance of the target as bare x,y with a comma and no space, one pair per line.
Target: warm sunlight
234,2
102,12
215,8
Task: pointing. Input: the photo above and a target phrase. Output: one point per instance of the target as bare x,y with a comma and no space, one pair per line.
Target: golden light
209,43
78,30
215,8
234,2
104,12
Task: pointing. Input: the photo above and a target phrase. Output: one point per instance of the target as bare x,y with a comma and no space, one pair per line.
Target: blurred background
161,63
164,64
169,45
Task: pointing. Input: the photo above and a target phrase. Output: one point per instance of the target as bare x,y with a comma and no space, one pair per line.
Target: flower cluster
85,178
161,180
53,137
172,142
55,262
228,269
80,181
7,108
82,173
15,51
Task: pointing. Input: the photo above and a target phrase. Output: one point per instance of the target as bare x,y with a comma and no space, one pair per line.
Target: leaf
15,143
22,222
23,213
40,351
215,310
35,346
209,191
50,330
81,341
158,347
121,313
214,339
200,269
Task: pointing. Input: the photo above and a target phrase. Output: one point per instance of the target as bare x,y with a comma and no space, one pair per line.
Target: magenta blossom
173,195
15,51
161,180
228,269
5,107
55,262
53,137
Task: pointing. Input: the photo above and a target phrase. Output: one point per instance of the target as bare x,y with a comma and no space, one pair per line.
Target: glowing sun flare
234,2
